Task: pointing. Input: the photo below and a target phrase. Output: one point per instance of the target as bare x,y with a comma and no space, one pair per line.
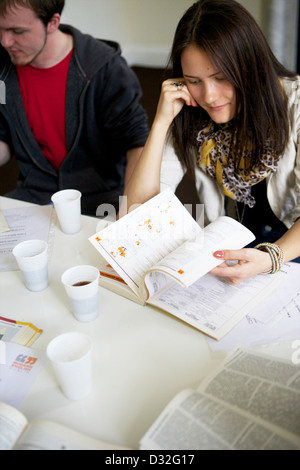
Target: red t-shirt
43,93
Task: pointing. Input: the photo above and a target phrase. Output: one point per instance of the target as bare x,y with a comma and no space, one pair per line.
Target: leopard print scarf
215,158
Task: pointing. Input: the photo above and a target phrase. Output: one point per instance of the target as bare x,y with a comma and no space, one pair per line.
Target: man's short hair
44,9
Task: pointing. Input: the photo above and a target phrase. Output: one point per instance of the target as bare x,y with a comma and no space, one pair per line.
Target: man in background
72,115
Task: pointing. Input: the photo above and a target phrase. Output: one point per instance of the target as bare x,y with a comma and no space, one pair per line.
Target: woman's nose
209,93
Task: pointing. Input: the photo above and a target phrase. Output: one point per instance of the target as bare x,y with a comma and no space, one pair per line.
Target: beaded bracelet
276,255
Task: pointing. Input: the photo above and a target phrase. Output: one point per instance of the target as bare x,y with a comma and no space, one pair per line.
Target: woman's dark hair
238,49
44,9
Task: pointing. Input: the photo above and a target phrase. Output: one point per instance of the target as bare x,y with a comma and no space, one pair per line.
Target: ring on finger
178,85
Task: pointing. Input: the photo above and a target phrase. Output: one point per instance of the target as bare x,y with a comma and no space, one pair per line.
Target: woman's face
207,85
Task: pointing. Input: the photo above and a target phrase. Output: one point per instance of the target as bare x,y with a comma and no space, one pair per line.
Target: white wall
144,28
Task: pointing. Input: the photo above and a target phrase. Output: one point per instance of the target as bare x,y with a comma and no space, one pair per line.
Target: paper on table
21,368
25,223
18,332
276,318
3,224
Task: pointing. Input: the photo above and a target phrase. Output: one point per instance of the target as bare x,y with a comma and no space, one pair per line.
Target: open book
250,403
158,254
17,434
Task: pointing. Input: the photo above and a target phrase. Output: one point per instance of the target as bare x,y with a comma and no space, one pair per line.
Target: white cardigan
283,187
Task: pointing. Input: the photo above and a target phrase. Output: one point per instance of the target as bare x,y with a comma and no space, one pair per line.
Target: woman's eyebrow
209,76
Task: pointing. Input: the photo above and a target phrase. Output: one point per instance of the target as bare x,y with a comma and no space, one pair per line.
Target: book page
42,435
250,402
193,421
145,236
261,385
211,304
12,424
194,258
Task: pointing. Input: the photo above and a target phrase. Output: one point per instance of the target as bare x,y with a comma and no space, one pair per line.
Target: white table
142,356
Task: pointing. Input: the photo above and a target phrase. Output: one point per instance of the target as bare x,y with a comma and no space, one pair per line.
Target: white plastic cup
82,287
32,259
67,205
71,358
